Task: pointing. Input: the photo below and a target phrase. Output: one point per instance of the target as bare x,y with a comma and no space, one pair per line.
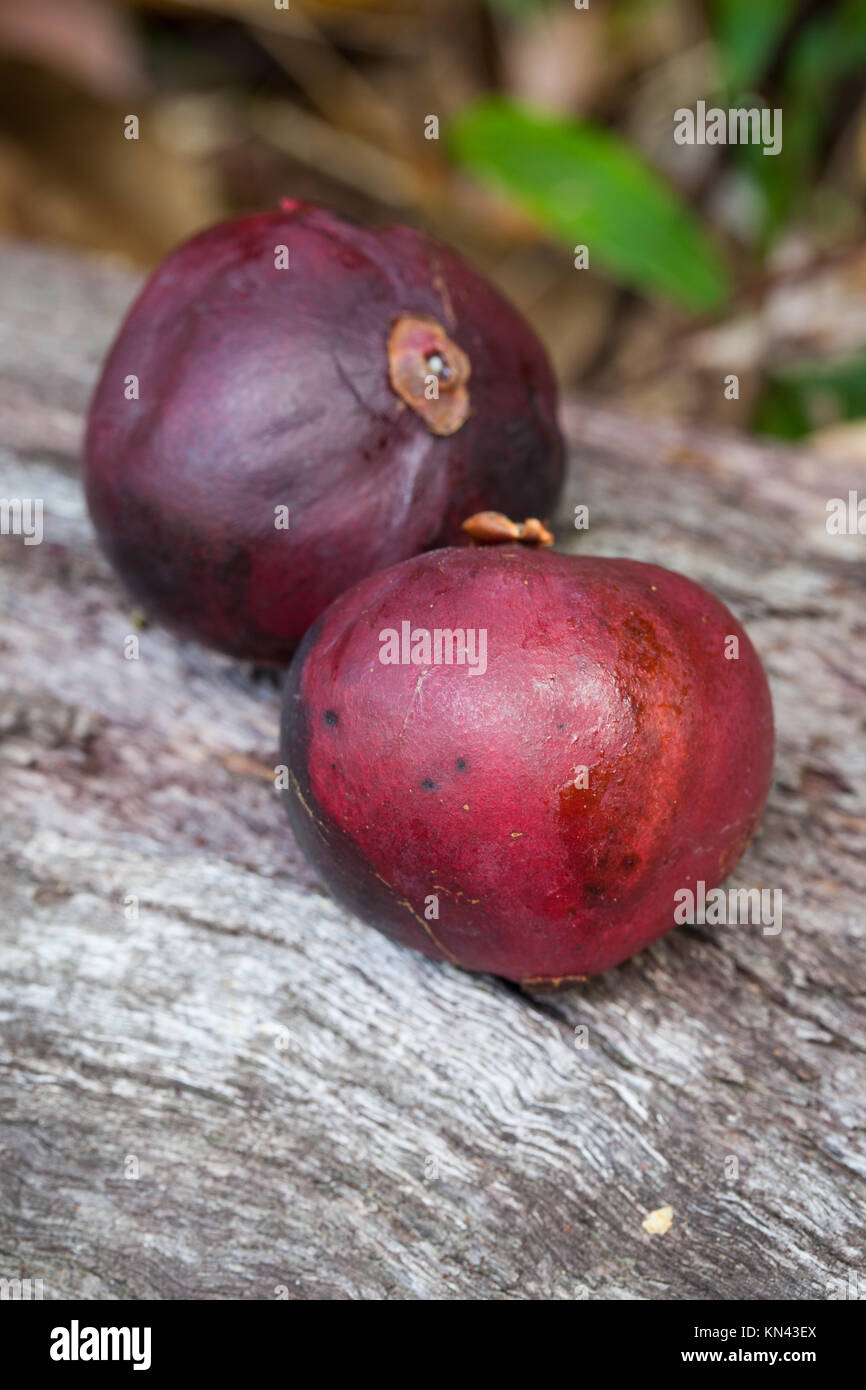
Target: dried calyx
429,372
491,528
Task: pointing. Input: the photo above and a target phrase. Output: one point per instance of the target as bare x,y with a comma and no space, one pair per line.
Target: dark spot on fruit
593,893
428,784
331,716
630,861
461,763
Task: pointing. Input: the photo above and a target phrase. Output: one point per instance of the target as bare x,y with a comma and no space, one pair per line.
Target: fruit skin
262,388
407,780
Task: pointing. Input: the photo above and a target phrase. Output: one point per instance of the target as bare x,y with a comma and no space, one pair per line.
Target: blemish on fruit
643,650
331,717
574,798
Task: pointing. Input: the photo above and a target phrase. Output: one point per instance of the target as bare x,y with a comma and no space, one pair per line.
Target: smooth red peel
534,818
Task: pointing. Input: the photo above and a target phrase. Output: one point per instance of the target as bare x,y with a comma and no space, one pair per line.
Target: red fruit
306,388
411,782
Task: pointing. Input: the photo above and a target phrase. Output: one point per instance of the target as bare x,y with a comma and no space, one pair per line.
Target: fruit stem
491,528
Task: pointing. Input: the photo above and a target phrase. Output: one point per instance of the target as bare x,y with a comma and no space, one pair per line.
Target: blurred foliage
827,50
809,395
577,177
747,34
555,130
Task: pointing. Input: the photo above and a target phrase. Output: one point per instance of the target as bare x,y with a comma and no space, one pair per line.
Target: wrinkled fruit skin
409,780
264,387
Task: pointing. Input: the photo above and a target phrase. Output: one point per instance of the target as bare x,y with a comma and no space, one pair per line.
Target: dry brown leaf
559,59
134,196
844,443
88,41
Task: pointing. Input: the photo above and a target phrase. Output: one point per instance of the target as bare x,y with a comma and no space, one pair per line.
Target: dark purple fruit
377,388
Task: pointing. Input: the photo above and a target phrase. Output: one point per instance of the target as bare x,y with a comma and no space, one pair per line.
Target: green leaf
585,185
830,49
781,412
805,394
521,9
746,32
785,180
831,46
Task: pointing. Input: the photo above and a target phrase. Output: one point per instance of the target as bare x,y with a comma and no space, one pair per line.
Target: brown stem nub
492,528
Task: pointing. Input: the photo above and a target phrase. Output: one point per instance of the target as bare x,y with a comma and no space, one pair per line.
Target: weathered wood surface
312,1107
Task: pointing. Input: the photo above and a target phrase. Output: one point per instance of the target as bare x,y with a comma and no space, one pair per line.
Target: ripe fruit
602,752
262,389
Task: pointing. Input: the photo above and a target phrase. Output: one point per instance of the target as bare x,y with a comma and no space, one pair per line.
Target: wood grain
316,1113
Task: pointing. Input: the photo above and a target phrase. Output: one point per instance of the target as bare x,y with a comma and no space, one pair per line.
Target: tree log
216,1085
